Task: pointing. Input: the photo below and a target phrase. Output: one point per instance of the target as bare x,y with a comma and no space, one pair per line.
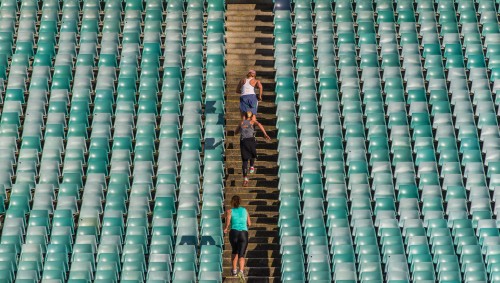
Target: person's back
247,129
239,219
248,88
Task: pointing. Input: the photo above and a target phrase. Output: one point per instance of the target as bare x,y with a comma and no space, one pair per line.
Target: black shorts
248,148
239,242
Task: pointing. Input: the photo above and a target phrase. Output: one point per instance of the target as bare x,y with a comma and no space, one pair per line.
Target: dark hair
235,201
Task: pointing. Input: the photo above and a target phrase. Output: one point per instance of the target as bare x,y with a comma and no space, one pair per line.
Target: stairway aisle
250,46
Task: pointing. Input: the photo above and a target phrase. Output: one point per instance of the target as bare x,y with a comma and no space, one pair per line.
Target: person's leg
242,249
241,262
255,104
244,168
234,261
252,168
253,154
233,240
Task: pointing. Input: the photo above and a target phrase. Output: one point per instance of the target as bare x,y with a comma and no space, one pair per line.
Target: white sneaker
241,276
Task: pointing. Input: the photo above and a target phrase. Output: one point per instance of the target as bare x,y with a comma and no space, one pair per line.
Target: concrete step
268,40
233,119
251,204
252,184
232,83
247,196
260,165
256,262
235,154
268,172
263,145
239,69
231,124
246,34
257,246
230,47
268,214
270,130
254,279
249,5
263,206
249,22
252,62
237,175
250,187
257,271
233,142
234,115
263,233
248,51
250,29
263,152
254,190
260,219
230,56
256,254
262,72
233,18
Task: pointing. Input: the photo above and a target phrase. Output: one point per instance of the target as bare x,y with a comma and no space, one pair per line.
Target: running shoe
245,182
252,170
241,276
234,272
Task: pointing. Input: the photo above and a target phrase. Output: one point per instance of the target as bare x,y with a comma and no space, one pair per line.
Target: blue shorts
249,102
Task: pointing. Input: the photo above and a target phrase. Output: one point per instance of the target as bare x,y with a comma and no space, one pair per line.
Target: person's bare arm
259,85
238,87
262,129
249,222
228,220
237,130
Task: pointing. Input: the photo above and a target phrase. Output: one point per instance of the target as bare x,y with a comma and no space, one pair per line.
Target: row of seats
397,139
120,124
303,234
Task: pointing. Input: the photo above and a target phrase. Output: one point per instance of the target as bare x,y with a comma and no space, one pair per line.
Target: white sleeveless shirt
247,88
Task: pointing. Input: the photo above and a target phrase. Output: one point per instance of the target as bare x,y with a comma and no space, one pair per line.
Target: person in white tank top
247,88
248,97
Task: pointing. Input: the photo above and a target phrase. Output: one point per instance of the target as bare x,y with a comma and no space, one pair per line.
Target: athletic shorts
248,148
249,102
239,242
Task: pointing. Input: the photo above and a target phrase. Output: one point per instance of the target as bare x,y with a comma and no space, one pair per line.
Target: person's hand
260,98
226,231
267,137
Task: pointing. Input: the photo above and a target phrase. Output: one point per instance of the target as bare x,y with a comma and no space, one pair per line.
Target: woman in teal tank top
237,223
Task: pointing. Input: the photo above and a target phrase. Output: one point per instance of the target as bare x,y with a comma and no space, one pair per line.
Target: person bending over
248,144
248,97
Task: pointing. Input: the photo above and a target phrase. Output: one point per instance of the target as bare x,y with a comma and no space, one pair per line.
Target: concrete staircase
249,45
